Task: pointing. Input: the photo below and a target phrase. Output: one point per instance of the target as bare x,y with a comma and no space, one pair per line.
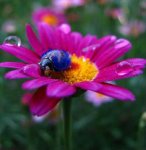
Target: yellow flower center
81,69
50,19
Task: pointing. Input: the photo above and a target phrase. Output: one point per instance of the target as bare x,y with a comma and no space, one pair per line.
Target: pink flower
9,26
86,63
50,16
133,28
116,13
52,117
64,4
96,98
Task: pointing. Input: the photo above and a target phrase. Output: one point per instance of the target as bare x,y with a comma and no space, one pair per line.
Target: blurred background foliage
112,126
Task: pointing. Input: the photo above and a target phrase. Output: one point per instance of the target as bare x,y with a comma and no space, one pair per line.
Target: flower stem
67,123
141,145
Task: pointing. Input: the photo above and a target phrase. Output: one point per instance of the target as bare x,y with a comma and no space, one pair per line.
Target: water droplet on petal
124,68
91,48
12,40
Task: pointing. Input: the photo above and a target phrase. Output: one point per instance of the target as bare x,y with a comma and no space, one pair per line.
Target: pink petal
26,98
41,104
68,42
137,63
86,41
15,74
90,51
37,83
111,54
116,92
132,68
94,50
21,53
104,44
60,89
15,65
63,40
33,40
75,40
32,70
46,36
93,86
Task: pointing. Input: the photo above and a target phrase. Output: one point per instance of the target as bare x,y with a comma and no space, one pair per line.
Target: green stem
142,133
58,129
67,123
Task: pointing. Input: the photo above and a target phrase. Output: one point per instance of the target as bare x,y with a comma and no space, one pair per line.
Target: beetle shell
56,60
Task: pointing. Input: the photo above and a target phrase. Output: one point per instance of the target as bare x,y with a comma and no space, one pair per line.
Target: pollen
81,69
50,19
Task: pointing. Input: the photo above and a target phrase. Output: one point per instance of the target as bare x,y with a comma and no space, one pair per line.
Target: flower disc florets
81,69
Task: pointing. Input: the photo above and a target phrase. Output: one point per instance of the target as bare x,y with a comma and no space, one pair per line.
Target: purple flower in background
49,16
63,61
96,98
116,13
9,26
64,4
132,28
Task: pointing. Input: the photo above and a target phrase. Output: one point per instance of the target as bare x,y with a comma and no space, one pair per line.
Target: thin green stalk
142,133
67,123
58,130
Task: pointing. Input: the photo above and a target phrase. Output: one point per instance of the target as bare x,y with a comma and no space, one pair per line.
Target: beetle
55,60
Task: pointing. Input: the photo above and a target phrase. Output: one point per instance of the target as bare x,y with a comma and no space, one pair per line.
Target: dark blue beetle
55,60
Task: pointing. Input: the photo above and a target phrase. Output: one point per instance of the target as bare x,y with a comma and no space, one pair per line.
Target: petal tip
121,43
133,98
7,76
